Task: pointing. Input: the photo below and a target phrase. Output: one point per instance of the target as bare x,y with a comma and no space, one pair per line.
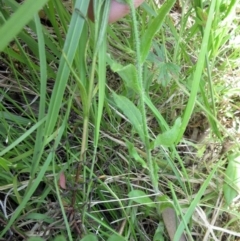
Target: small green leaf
128,74
158,236
231,187
60,238
131,112
141,197
89,237
115,237
39,216
202,17
169,137
164,203
35,239
135,155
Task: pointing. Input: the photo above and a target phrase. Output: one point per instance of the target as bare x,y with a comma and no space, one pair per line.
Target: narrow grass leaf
29,194
231,187
131,112
198,72
60,201
101,26
180,213
18,20
193,205
39,143
82,89
16,192
101,85
22,137
5,164
70,47
40,217
162,123
141,197
36,182
154,26
14,118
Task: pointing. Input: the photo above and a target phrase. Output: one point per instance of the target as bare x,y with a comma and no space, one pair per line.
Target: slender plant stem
154,178
85,128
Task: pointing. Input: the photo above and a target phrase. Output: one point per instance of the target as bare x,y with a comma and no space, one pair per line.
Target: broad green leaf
115,237
89,237
169,137
154,27
135,155
128,74
141,197
231,187
131,112
18,20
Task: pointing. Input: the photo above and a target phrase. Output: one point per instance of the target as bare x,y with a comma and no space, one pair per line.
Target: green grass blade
198,72
18,20
22,137
39,144
36,182
101,49
101,91
194,203
71,44
57,186
154,27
